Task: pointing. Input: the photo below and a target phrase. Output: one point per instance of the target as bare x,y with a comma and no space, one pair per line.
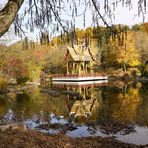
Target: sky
122,15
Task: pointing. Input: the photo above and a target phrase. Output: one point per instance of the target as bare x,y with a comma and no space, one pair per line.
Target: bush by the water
22,80
145,73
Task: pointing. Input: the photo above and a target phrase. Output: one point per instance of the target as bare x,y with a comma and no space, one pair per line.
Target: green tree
136,27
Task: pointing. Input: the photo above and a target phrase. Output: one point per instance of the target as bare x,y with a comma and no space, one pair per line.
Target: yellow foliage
129,102
129,53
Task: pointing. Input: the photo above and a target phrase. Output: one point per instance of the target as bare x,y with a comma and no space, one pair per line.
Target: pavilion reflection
87,100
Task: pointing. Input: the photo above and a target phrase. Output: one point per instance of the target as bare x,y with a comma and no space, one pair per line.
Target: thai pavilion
79,60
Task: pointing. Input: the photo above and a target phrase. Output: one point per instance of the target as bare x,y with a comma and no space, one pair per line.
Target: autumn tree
16,69
144,27
41,13
125,52
142,45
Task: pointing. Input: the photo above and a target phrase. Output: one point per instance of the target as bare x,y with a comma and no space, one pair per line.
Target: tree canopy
42,13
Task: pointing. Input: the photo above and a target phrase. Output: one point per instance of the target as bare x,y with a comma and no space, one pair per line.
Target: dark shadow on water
22,98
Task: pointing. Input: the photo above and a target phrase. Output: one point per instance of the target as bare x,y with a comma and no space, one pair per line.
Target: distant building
79,60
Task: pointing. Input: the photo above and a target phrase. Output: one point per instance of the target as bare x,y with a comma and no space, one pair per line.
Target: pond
105,109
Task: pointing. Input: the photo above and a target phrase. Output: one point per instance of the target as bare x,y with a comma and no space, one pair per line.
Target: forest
119,51
75,74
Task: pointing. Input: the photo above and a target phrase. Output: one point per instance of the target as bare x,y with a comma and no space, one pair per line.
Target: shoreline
28,138
18,135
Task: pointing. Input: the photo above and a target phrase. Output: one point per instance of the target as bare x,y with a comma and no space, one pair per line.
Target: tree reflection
29,104
121,105
3,105
125,109
126,104
143,109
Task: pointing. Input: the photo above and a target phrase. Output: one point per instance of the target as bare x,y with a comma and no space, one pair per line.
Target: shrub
3,83
17,69
134,72
22,80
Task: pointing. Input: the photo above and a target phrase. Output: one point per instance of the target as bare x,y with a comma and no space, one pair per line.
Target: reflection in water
84,131
142,111
124,106
9,117
92,105
139,137
120,105
86,104
3,105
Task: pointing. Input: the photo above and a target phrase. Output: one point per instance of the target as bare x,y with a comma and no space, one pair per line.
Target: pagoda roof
80,53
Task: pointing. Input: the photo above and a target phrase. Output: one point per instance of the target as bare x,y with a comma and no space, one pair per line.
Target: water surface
106,109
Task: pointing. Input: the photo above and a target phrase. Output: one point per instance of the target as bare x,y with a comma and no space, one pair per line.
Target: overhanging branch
8,14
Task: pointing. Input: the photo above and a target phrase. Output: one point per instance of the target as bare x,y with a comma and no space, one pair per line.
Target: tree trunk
8,14
124,67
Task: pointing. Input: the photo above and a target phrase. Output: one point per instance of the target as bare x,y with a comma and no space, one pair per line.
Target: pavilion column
67,67
83,67
79,68
87,91
91,70
73,68
76,68
84,93
68,97
80,90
